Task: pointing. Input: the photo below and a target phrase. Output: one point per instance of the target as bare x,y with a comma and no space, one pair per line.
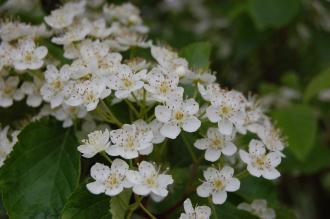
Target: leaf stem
215,216
188,146
131,106
103,154
147,211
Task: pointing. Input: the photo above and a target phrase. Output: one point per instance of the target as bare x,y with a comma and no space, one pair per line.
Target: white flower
218,183
259,208
154,127
148,180
28,56
32,90
170,61
68,113
6,58
87,92
198,78
77,31
63,17
53,90
9,91
10,31
110,181
126,81
97,141
6,144
99,29
126,13
215,143
228,111
210,92
271,137
259,163
128,142
199,212
161,86
177,114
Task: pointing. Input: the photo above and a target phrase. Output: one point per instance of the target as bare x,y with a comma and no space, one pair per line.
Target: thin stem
188,146
242,174
112,116
147,211
103,154
131,106
133,207
215,216
151,118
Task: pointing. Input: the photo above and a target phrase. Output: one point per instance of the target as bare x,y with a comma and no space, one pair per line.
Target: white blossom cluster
258,208
94,45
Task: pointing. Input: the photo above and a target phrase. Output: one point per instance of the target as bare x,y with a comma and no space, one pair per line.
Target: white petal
188,208
229,149
119,165
271,174
162,113
210,173
95,187
212,154
219,197
245,157
202,144
212,114
232,185
203,212
256,147
114,191
191,124
204,190
141,190
225,127
254,171
190,106
146,168
100,172
170,131
274,159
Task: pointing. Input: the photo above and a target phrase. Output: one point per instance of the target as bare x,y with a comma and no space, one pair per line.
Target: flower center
218,184
225,110
179,115
113,180
151,181
127,82
217,143
164,88
8,90
130,144
57,84
28,57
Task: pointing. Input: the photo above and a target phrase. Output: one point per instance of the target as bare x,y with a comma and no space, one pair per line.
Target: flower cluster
95,73
258,208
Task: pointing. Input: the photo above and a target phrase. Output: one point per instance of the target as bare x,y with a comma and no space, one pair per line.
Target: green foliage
273,14
119,204
41,172
84,205
229,211
318,83
197,54
299,124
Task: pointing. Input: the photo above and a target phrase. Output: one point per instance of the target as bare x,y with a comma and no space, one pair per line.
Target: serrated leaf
320,82
41,172
84,205
197,54
273,13
119,204
299,125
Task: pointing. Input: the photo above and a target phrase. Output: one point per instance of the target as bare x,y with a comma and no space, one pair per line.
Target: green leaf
299,125
257,188
229,211
84,205
197,54
41,172
284,213
119,204
320,82
273,13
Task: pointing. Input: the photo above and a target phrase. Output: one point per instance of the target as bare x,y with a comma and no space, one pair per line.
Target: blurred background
279,50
